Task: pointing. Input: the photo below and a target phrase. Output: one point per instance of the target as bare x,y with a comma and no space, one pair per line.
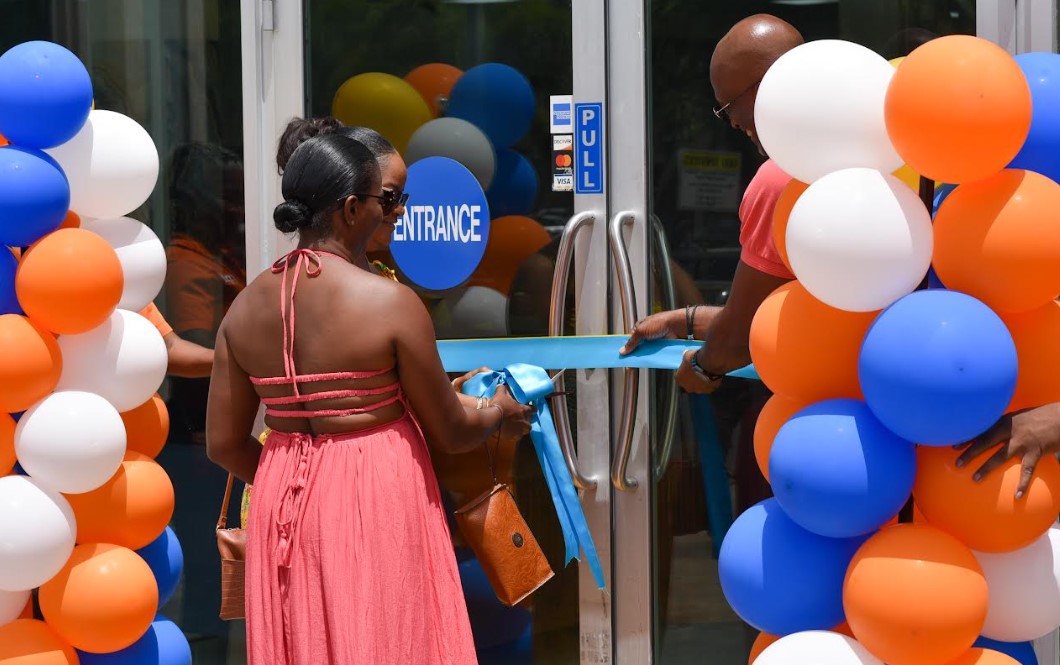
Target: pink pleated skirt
349,558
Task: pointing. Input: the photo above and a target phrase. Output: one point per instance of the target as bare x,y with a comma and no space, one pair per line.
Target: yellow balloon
896,61
382,102
910,177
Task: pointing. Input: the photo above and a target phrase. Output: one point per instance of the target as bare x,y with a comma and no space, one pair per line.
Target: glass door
500,86
690,469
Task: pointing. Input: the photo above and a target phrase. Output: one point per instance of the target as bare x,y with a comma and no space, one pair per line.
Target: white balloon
474,311
112,165
71,441
820,109
1024,590
816,647
37,533
124,360
142,257
456,139
859,240
11,604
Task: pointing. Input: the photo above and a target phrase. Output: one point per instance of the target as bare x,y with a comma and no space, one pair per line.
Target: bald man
740,60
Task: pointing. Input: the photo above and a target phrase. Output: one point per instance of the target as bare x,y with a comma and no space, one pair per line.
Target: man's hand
692,381
1029,435
663,325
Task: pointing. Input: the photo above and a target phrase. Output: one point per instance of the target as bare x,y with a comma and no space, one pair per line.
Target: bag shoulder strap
222,521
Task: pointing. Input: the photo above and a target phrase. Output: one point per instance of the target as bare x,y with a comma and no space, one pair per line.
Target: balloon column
876,381
86,523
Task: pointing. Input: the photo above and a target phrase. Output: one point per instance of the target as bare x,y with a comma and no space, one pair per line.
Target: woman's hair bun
292,215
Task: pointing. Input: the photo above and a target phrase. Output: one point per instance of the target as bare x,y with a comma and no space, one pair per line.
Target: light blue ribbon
593,352
531,385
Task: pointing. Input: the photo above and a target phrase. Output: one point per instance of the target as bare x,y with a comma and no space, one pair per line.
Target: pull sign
588,151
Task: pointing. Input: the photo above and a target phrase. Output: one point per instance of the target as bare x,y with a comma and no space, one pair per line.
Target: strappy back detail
310,261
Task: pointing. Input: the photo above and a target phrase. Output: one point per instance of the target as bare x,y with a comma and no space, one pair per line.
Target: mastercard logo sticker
564,160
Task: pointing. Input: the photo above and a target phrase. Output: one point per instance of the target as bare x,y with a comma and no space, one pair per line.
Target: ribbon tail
570,539
569,503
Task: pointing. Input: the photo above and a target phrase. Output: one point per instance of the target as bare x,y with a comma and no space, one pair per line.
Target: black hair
373,140
320,175
298,131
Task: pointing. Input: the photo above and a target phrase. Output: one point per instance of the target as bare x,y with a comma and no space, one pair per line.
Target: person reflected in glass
344,491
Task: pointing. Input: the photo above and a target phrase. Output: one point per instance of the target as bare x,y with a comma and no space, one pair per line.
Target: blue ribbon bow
531,385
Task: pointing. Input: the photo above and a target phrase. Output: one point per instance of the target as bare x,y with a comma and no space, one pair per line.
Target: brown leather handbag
232,545
509,554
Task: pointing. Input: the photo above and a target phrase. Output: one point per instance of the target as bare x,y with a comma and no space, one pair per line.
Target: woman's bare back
345,320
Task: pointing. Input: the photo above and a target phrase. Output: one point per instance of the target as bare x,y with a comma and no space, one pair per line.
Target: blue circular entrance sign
441,238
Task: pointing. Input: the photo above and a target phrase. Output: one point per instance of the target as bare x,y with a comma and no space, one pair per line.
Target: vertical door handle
632,376
556,324
669,410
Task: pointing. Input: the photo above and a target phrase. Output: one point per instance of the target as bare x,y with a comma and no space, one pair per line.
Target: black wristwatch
698,369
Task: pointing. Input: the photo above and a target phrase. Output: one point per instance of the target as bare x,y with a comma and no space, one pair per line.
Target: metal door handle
632,377
556,323
669,410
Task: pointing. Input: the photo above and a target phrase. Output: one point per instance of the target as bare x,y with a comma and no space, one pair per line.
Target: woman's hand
1029,435
515,423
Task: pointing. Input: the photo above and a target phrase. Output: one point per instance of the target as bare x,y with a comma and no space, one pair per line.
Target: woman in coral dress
349,559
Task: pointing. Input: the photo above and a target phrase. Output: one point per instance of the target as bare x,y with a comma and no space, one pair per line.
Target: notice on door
563,163
708,180
588,148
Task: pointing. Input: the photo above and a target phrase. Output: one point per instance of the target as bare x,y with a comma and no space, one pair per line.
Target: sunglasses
722,112
389,200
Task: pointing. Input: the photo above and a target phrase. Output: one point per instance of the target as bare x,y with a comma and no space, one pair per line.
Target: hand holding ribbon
531,385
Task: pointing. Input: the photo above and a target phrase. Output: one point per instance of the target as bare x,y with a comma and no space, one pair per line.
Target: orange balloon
958,109
785,202
1036,334
7,444
30,642
512,240
27,611
103,600
777,411
30,363
70,281
147,427
434,82
131,509
71,221
986,515
761,642
984,657
999,240
805,349
3,141
914,595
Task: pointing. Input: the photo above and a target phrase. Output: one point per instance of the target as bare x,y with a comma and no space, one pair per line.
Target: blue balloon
45,95
779,577
933,281
938,367
162,644
513,190
1041,149
34,196
497,99
1022,652
166,559
838,472
8,298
